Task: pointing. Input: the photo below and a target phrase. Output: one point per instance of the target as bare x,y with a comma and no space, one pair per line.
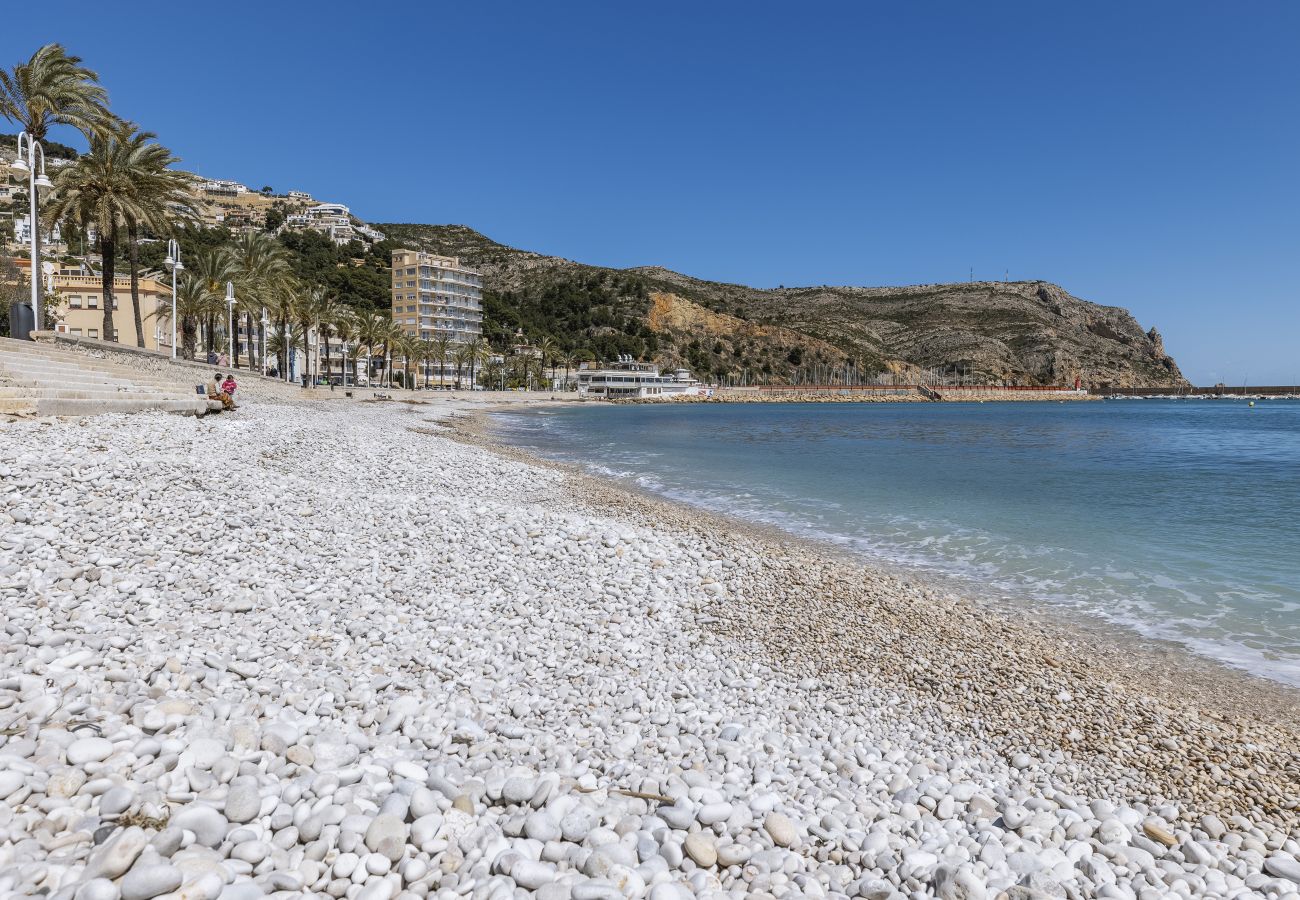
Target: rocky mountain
1028,332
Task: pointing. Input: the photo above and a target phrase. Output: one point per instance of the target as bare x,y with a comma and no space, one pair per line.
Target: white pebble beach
342,650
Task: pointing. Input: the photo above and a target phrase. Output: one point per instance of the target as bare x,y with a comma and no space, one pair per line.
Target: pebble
88,750
701,849
780,829
244,801
145,882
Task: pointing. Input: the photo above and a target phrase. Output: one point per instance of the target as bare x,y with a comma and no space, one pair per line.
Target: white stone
146,882
88,750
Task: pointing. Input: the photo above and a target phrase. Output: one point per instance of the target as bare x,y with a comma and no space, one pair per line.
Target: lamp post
230,320
173,262
33,163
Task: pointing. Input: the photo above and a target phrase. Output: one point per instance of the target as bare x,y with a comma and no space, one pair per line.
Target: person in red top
228,388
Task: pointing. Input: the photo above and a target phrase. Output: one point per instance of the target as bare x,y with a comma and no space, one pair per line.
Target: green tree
328,313
194,301
53,88
258,269
549,352
162,194
213,267
478,354
442,349
96,192
372,331
345,328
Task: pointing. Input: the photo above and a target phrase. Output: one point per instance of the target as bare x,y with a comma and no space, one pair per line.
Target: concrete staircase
39,380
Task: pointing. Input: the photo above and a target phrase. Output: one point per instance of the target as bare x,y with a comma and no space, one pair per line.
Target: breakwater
1218,390
918,393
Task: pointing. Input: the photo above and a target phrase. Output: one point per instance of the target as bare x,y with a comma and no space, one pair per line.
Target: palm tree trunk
283,355
327,357
106,250
133,248
188,328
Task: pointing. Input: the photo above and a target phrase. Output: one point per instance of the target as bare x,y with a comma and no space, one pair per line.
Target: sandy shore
345,649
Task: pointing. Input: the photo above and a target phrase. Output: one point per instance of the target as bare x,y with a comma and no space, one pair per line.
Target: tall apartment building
436,296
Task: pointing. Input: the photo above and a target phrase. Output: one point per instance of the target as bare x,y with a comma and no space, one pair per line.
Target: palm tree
406,347
53,88
393,334
328,312
354,354
284,300
258,264
193,302
572,359
286,340
460,358
424,352
213,267
312,311
162,194
371,331
345,327
442,349
97,192
549,350
479,353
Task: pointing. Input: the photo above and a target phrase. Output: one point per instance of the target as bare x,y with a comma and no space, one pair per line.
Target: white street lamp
33,163
173,262
230,320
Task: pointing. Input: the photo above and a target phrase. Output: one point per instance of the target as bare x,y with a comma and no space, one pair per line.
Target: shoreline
1208,695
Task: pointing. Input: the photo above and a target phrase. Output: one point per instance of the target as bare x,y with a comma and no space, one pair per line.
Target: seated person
217,391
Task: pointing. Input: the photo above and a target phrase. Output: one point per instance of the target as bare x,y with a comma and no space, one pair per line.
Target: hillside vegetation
1029,332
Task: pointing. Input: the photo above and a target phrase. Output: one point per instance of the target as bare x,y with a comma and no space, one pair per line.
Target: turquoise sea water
1178,518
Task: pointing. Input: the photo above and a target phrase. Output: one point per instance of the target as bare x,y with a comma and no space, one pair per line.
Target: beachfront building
80,310
435,296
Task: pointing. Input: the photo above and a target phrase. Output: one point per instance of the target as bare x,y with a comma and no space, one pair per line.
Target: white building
23,232
218,188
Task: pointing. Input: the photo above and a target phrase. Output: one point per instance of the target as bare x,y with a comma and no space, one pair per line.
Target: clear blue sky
1140,154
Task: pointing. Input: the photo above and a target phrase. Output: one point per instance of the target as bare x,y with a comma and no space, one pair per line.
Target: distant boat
631,380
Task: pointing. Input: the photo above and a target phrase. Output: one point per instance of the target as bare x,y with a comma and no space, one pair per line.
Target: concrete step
66,376
64,407
18,392
56,365
43,381
33,352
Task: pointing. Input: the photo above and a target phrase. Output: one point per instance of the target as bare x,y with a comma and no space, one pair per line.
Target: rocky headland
988,332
